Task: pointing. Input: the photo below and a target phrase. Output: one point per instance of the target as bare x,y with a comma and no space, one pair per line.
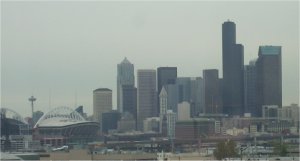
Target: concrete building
270,111
125,76
269,76
147,96
129,100
197,96
184,111
127,123
151,124
233,64
102,102
212,92
290,112
250,89
194,128
165,75
171,121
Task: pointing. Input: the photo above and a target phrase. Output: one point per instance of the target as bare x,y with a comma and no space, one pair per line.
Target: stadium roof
59,117
9,113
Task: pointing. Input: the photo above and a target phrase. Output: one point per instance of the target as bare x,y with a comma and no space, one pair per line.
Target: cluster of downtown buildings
246,101
161,99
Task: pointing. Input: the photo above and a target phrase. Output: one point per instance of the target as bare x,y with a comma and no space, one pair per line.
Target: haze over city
61,51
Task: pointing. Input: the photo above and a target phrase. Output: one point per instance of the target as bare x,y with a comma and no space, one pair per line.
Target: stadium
12,123
64,126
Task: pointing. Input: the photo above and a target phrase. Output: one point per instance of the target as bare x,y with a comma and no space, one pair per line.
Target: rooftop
102,89
270,50
125,61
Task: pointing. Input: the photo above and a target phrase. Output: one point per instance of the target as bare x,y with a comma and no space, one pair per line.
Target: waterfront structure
250,88
184,111
269,76
212,93
102,102
63,126
165,75
125,76
197,96
129,100
147,96
233,64
110,120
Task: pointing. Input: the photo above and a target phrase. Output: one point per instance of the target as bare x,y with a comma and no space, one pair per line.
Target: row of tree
228,149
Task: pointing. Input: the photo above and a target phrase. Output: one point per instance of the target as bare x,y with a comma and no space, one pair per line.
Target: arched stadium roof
9,113
60,116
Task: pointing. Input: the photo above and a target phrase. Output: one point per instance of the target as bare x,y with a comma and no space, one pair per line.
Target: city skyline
57,77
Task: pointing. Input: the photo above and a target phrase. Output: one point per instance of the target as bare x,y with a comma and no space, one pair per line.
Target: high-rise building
172,92
269,76
233,68
165,75
197,96
184,89
125,76
212,95
250,87
146,96
110,120
102,102
129,99
163,103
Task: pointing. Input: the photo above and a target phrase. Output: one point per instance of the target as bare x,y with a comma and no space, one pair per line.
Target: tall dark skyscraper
250,87
129,99
146,96
269,78
125,76
212,92
165,75
233,69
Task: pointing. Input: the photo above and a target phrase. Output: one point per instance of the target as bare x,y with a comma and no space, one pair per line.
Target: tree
279,148
226,149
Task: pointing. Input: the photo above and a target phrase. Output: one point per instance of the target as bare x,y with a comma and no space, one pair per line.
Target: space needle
32,99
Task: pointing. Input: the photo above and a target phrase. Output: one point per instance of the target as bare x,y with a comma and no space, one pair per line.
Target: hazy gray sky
54,50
